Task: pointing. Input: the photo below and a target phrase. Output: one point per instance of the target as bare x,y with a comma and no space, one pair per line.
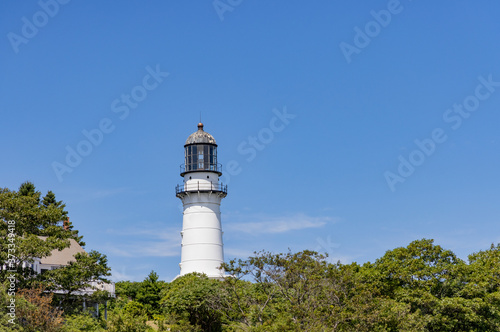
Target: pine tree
28,189
29,229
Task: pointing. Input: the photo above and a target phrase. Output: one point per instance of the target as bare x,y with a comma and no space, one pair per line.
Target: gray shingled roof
63,257
200,136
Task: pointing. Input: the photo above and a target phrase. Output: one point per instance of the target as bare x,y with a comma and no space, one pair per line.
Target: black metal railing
200,167
201,187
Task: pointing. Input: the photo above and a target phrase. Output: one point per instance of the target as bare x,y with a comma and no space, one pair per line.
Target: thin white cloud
154,240
127,272
150,240
147,249
149,231
264,224
119,276
107,193
118,252
344,259
237,253
96,193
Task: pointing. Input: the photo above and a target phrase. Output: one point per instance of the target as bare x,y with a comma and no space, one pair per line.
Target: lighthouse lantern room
201,194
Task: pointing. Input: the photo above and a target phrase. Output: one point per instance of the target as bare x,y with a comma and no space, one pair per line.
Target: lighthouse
201,194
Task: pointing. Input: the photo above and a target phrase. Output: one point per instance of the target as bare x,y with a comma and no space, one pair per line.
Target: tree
303,292
83,322
190,297
484,272
35,312
23,220
149,294
482,287
28,189
127,289
420,266
78,275
298,279
131,320
292,291
50,199
444,293
242,302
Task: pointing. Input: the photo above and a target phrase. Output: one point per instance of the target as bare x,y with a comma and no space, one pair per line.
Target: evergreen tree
77,276
50,199
30,229
28,189
149,293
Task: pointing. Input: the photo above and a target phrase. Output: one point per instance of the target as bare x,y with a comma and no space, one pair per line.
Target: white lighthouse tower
201,194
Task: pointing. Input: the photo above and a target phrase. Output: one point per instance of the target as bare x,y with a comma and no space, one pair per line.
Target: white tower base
202,246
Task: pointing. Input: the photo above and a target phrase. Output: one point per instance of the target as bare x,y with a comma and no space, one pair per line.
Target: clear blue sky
326,179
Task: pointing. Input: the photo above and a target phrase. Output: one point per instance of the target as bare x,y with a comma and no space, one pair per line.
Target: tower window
200,157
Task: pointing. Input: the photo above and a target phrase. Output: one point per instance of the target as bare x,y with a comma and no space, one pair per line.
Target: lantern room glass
200,157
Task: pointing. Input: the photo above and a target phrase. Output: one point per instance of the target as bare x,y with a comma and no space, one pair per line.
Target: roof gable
63,257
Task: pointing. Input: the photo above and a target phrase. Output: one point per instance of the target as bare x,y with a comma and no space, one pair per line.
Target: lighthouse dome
200,136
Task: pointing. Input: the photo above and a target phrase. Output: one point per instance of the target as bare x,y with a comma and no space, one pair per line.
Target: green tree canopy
24,219
443,292
191,297
149,294
78,275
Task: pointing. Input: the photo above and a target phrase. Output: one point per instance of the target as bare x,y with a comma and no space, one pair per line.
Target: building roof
200,136
63,257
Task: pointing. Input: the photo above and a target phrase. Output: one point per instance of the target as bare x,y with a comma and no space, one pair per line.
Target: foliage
24,219
148,294
35,313
126,321
190,297
8,321
83,322
127,289
421,287
297,291
281,281
177,323
50,200
77,275
442,291
31,227
134,309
